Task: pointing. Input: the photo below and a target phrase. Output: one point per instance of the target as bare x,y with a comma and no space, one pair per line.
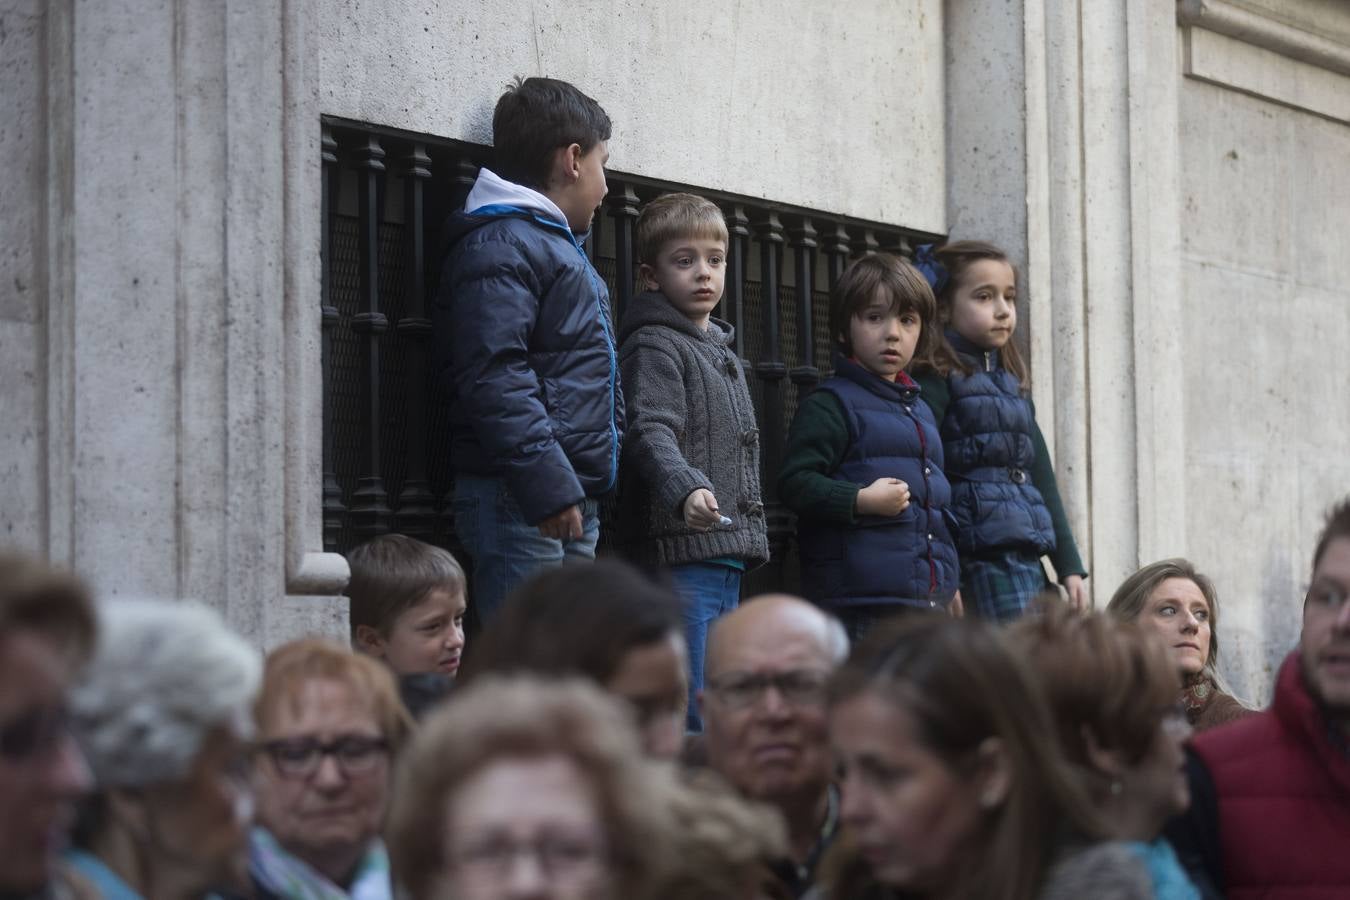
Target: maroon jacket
1283,795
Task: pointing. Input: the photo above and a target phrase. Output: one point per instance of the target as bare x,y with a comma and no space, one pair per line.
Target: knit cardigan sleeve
1065,557
817,442
653,386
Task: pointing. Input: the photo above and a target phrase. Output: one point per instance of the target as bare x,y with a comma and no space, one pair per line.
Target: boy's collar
490,189
901,378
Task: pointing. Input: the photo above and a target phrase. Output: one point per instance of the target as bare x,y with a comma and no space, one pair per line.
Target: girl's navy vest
987,437
908,559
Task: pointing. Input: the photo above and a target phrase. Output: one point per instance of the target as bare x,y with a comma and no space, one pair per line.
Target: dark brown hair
36,597
1103,677
1337,526
392,573
905,290
535,117
958,256
962,684
581,618
673,217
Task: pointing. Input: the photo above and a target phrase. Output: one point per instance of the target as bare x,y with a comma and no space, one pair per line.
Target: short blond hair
289,667
520,717
674,216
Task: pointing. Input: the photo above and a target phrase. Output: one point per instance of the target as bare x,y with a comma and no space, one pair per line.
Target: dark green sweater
1065,558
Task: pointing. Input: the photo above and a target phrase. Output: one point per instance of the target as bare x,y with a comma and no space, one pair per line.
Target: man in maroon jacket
1270,816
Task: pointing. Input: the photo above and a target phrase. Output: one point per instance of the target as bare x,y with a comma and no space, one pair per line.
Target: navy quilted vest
987,439
907,559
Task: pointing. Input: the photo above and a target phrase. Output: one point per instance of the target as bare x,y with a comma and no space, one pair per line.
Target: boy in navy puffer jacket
863,469
524,343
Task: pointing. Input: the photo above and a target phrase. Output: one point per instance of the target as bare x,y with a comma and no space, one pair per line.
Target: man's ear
993,773
369,641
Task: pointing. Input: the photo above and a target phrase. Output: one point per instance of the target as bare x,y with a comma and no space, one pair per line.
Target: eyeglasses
299,757
799,687
560,856
33,733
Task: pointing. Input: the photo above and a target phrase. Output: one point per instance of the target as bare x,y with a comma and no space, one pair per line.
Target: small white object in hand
723,520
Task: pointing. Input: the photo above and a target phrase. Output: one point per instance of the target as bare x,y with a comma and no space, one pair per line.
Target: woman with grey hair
163,715
1174,601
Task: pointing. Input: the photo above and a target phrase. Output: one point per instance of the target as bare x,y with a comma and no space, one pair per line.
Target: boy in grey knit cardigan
689,496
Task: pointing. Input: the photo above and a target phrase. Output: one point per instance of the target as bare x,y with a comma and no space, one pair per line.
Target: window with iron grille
385,195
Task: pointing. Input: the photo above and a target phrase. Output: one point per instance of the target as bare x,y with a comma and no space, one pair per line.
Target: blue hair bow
928,265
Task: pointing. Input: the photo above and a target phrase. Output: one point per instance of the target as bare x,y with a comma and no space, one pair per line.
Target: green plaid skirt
1000,588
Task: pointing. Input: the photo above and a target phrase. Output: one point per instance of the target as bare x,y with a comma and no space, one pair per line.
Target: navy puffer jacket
525,352
987,439
908,559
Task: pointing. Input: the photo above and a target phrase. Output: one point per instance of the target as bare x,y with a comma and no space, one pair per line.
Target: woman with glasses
1113,696
526,788
328,722
163,717
1178,604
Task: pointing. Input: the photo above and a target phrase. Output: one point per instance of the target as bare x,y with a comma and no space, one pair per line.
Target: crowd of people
147,751
932,719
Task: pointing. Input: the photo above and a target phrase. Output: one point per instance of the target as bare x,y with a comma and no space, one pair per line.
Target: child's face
582,185
690,272
884,340
984,305
428,637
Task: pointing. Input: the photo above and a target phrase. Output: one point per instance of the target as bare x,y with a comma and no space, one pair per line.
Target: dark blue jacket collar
986,360
905,391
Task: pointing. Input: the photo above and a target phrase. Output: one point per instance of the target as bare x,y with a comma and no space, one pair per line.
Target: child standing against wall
524,346
691,495
864,460
1005,500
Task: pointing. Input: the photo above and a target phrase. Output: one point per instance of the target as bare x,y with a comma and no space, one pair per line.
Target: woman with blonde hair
329,725
1178,604
524,787
952,783
1112,691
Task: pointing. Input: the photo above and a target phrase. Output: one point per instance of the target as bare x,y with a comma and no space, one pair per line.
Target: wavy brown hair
517,718
962,684
1107,680
956,257
905,290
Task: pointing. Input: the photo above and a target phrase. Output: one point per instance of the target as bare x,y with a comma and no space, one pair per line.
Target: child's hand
883,497
956,609
700,509
1078,598
565,526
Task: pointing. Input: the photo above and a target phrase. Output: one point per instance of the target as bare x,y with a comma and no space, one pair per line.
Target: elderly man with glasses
764,717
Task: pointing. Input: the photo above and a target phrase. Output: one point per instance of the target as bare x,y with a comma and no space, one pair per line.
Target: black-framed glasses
34,732
300,757
797,687
562,855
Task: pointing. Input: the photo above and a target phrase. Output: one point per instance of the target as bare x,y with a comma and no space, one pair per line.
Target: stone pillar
175,426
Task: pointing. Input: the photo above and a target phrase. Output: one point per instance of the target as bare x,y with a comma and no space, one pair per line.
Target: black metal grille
386,466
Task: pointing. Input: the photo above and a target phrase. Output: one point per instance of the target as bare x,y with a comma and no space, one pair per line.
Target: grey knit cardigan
691,424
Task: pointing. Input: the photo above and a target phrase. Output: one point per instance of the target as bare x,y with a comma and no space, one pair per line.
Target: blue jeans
505,549
709,590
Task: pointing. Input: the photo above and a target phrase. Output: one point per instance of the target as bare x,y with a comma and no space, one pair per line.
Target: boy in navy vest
525,349
864,459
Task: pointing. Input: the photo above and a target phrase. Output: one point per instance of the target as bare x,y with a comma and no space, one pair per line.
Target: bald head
770,621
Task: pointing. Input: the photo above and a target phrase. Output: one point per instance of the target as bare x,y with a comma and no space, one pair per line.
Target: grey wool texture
691,424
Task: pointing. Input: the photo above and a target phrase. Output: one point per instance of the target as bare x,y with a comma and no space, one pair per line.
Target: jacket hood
652,308
493,197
